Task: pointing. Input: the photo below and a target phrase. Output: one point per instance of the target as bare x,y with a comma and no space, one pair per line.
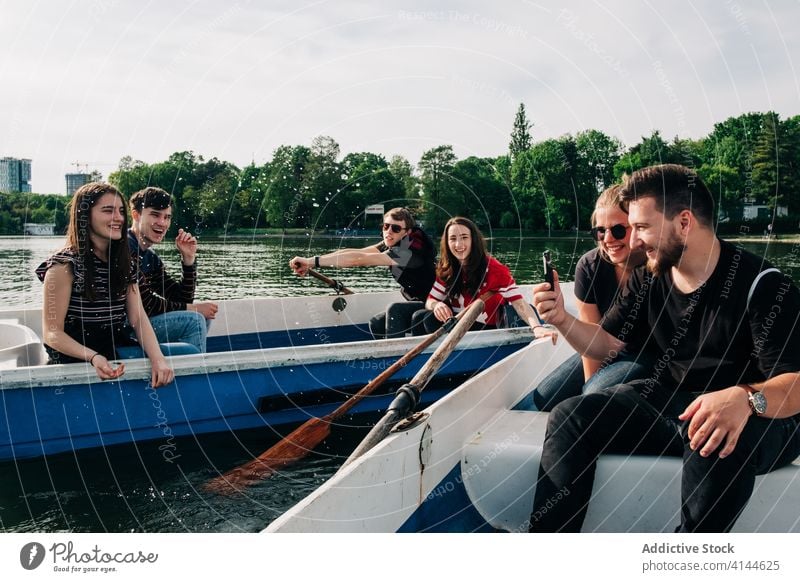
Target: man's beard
668,256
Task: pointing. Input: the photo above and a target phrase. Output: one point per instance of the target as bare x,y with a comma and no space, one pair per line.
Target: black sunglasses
617,231
396,228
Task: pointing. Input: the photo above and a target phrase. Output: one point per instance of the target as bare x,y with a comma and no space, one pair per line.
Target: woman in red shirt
466,271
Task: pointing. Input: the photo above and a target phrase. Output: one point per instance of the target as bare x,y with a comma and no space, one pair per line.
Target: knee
393,310
197,318
419,322
576,410
377,326
419,315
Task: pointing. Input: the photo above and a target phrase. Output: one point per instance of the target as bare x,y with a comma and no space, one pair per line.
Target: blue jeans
181,326
567,380
167,348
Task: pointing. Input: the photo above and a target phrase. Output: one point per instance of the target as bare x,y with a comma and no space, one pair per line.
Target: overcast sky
91,81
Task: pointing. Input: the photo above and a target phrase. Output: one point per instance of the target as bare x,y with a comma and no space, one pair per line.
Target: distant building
75,181
754,211
15,175
34,229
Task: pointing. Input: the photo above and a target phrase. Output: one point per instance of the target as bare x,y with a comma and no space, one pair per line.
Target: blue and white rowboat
272,362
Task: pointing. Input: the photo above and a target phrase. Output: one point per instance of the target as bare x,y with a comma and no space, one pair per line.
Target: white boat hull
470,464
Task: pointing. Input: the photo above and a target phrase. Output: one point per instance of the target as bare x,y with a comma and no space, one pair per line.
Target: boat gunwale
242,360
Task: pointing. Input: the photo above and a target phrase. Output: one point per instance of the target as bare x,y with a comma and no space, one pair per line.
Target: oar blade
294,447
306,437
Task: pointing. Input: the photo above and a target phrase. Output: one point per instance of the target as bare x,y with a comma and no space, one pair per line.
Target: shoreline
785,238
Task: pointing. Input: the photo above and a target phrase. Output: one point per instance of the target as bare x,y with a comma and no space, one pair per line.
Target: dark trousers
425,322
629,419
396,320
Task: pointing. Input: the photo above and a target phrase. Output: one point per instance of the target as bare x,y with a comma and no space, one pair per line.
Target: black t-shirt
414,267
713,337
596,281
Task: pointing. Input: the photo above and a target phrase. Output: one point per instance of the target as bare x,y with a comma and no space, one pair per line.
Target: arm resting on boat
57,293
161,372
527,314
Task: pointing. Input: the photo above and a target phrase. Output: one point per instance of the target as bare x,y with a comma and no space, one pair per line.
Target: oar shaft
387,373
332,283
398,412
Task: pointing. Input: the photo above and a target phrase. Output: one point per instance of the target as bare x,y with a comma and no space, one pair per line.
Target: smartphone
548,269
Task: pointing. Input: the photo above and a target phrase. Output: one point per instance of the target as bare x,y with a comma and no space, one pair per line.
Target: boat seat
500,464
20,346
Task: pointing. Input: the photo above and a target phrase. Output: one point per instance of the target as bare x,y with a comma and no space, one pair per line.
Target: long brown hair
78,240
449,268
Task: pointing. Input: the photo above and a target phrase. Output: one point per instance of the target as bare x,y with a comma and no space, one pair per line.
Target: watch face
759,402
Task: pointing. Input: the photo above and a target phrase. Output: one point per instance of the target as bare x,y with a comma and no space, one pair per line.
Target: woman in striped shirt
92,308
467,271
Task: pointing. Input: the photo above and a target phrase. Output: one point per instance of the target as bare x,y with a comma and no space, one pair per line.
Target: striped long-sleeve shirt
498,278
160,292
100,323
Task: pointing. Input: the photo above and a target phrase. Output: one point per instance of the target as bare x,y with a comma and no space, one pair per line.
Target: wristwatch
756,399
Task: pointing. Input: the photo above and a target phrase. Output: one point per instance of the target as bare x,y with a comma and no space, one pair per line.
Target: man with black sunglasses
724,393
410,255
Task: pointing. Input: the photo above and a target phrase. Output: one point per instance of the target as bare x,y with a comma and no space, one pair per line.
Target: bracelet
316,262
92,359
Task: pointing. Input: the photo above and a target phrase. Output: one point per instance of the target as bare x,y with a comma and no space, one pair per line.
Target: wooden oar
408,394
332,283
302,440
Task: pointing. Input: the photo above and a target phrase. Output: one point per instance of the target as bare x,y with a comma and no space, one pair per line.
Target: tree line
545,186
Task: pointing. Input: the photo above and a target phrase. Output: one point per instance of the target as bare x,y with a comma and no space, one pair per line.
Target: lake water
238,268
130,488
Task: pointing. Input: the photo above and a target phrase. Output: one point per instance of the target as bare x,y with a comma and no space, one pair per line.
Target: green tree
508,220
732,145
484,196
652,150
791,166
249,198
438,187
130,176
287,202
402,170
369,181
323,180
555,188
687,152
775,178
598,153
520,134
724,184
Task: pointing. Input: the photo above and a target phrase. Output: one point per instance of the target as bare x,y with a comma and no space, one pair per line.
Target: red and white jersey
498,278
